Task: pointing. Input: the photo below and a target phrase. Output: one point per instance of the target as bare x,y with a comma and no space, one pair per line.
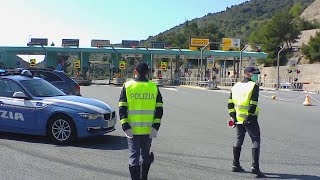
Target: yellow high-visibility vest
141,103
241,95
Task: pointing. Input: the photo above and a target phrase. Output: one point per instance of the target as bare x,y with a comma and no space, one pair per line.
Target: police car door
16,114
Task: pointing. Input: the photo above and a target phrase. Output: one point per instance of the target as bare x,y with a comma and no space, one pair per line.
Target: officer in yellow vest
140,110
243,109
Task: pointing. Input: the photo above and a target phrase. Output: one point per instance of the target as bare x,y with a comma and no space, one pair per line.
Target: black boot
135,172
145,171
146,166
255,163
236,160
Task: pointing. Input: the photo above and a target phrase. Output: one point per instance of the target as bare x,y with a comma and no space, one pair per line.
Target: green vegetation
272,23
181,38
281,30
312,50
236,21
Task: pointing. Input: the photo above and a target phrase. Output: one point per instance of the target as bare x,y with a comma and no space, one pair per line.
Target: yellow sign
210,62
230,44
196,44
198,48
164,66
33,62
76,64
122,65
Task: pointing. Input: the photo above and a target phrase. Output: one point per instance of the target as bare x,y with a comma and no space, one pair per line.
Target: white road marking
171,89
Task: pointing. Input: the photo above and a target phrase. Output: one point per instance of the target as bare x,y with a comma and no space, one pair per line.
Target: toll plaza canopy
51,53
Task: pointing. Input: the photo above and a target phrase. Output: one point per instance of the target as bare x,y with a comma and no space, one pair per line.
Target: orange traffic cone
307,101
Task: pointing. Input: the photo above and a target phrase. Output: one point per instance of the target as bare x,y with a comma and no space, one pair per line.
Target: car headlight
90,116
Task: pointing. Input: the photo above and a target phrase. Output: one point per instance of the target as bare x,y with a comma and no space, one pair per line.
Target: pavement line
171,89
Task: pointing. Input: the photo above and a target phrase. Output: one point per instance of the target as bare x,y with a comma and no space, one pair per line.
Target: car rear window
48,76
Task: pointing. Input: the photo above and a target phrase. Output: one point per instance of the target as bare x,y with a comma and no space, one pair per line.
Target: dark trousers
138,146
253,130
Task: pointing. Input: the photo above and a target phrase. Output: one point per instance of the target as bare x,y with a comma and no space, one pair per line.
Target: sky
113,20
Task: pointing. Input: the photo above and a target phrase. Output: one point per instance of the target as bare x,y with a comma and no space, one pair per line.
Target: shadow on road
105,142
291,176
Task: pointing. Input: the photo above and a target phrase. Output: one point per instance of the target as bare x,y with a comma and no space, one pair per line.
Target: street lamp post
201,54
168,48
201,57
244,48
278,66
45,62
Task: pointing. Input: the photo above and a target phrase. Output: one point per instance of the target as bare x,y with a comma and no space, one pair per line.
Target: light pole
244,48
45,61
170,48
201,54
201,57
278,66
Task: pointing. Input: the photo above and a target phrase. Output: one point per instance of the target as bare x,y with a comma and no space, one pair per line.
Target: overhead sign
164,66
129,43
158,44
210,62
38,41
197,44
100,43
33,62
77,64
70,42
122,65
229,44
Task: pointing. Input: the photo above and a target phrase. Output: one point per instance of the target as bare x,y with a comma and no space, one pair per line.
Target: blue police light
2,72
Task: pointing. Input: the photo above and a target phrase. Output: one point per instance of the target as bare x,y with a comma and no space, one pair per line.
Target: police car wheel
61,130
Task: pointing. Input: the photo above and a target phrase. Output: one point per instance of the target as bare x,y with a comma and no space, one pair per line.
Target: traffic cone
307,101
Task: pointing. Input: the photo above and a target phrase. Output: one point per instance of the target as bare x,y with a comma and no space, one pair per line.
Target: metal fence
190,81
229,82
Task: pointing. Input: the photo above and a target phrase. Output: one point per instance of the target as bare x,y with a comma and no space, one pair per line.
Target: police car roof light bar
16,71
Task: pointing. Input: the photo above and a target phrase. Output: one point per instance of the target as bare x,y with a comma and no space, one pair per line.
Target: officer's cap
252,70
142,68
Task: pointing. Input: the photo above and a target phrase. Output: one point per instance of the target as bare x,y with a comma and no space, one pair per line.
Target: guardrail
228,81
190,81
272,83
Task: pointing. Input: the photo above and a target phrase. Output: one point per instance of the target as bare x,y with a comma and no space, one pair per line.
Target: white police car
31,105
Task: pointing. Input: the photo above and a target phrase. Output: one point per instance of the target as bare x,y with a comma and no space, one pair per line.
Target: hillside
237,21
312,13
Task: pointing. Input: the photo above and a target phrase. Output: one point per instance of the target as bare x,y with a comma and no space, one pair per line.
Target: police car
31,105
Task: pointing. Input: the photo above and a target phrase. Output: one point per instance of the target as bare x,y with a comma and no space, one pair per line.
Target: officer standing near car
140,110
243,109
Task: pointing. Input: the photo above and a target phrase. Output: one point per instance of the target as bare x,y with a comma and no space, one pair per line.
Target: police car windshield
41,88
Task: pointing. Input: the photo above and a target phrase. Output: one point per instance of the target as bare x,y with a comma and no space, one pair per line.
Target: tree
296,9
281,30
312,50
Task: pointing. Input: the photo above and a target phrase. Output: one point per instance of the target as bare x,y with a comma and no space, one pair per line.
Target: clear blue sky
114,20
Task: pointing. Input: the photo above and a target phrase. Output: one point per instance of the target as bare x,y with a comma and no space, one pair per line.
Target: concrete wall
309,73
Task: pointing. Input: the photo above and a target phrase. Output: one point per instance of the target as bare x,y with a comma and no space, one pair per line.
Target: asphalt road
194,142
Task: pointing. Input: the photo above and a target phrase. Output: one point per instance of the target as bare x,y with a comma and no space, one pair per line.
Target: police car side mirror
20,95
